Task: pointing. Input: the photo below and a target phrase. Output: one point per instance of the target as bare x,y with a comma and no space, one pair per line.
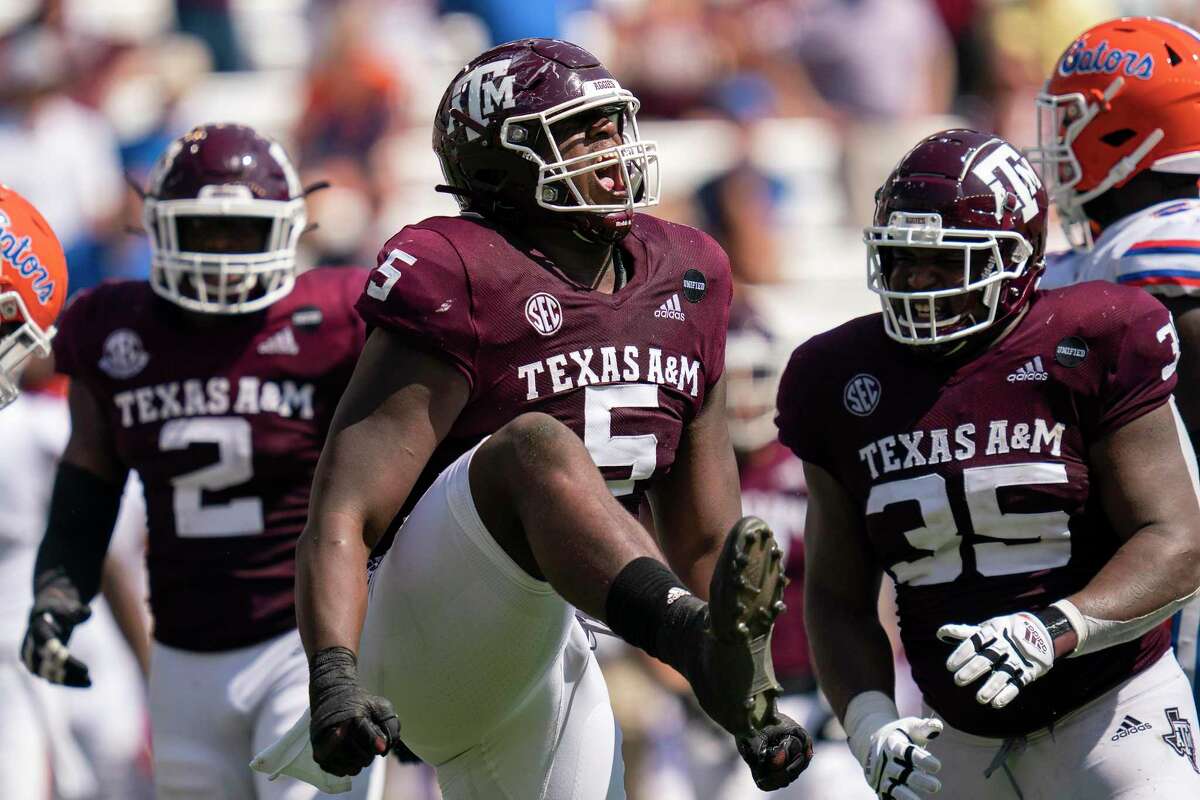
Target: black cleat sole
745,598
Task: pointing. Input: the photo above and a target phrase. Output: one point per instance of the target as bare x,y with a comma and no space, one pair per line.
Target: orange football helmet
1122,99
33,285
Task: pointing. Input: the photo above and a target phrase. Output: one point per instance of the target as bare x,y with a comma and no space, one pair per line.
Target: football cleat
736,682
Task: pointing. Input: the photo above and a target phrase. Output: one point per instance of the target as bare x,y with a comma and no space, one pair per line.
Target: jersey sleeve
795,408
723,294
76,331
421,291
1164,255
1142,376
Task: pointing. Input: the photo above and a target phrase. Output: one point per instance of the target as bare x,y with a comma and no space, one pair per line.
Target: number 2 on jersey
242,516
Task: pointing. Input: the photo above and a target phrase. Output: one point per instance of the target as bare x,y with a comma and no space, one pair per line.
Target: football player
1120,154
39,726
545,332
216,381
1014,460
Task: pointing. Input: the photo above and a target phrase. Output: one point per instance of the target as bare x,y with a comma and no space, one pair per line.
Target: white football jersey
34,431
1157,248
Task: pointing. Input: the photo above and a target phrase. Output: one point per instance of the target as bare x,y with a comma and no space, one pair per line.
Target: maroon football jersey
223,418
625,371
974,478
773,489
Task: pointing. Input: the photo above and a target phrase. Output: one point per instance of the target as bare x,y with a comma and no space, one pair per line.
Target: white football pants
1135,742
493,679
211,712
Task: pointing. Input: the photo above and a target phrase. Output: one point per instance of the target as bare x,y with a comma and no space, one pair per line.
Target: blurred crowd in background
776,122
777,119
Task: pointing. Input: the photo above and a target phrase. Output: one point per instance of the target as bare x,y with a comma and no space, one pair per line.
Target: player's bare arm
83,511
841,614
1145,484
695,504
398,406
386,426
841,596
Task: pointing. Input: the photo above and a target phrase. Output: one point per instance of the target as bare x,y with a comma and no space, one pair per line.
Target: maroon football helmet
967,191
493,135
224,175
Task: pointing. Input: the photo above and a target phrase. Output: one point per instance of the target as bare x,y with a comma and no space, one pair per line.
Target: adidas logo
1128,727
671,309
1031,370
282,343
676,592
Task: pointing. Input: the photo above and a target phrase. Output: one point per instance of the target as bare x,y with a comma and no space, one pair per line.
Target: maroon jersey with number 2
223,418
974,479
626,371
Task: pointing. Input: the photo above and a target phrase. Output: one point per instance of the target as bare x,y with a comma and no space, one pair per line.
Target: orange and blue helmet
33,286
1122,99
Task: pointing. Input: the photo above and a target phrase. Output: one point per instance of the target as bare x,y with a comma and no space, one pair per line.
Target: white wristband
867,713
1099,634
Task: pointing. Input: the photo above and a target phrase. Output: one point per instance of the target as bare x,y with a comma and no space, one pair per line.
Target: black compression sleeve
83,512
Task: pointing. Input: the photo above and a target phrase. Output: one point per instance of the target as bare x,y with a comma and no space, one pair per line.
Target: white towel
292,755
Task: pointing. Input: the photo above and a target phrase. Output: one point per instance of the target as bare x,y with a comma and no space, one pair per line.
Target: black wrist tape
1056,622
332,679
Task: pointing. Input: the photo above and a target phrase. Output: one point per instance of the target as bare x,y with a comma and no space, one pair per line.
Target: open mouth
612,180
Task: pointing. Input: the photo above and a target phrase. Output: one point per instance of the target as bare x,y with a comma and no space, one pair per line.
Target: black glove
777,754
349,727
44,650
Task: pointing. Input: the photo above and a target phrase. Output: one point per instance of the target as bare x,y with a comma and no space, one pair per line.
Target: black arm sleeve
83,512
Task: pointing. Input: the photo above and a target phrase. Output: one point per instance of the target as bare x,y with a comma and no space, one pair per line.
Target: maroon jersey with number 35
626,371
974,479
223,418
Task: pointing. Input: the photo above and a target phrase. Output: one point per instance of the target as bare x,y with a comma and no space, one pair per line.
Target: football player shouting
547,331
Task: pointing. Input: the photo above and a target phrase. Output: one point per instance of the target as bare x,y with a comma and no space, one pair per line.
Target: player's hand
44,649
1013,651
776,754
896,763
892,749
348,727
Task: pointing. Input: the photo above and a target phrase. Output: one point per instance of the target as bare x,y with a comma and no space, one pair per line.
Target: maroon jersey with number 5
974,479
626,371
223,418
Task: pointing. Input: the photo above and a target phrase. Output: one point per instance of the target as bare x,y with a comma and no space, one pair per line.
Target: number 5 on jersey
390,274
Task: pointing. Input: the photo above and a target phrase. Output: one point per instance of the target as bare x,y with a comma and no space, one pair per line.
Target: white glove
892,750
1013,651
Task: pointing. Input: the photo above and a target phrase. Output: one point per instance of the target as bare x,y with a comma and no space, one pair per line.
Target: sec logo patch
862,394
544,313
